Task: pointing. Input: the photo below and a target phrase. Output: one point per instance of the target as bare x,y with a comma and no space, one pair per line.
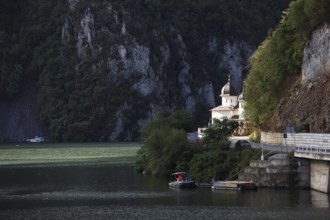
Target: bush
165,146
218,163
254,138
219,131
162,150
166,149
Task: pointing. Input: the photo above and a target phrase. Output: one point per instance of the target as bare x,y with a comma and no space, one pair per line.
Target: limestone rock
317,55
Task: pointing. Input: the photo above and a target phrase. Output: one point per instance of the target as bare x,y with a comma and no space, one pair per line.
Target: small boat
182,181
235,185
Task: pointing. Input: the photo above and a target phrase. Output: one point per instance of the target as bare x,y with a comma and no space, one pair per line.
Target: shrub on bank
166,149
219,163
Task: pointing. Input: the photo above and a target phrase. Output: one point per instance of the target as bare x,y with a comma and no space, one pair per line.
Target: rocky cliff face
163,70
113,67
316,61
307,105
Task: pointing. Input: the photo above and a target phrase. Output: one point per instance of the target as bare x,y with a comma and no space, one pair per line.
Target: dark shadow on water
118,192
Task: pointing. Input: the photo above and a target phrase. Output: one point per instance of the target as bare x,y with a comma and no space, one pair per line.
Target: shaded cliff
306,106
102,68
19,118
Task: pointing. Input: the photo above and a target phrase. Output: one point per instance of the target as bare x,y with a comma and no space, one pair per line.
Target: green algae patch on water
68,153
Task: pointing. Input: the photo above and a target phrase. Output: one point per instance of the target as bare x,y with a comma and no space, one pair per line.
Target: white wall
219,115
241,110
229,100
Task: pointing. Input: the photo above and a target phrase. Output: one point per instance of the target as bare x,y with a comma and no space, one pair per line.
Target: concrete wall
324,156
298,139
311,147
304,174
320,175
271,138
309,139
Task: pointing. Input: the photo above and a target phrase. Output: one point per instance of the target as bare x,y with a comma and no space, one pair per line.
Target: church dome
229,90
226,89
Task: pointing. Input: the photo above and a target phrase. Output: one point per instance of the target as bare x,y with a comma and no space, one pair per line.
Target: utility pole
285,136
262,151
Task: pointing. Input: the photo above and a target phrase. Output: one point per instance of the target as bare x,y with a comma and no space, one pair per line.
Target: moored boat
182,181
234,185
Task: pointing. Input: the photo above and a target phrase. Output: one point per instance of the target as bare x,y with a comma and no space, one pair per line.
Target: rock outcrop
150,63
317,56
306,106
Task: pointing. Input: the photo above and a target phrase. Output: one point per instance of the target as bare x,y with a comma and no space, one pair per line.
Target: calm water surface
117,192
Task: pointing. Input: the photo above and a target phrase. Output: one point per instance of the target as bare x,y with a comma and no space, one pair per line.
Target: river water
117,192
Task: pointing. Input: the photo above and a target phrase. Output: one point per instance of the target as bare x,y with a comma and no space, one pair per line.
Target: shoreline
67,164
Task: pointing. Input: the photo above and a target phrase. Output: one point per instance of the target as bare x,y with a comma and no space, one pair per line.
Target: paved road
234,139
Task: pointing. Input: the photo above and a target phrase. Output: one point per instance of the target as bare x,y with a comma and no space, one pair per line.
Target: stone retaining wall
298,139
271,138
278,171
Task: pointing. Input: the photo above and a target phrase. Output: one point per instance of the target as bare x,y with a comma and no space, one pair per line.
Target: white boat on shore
36,139
182,181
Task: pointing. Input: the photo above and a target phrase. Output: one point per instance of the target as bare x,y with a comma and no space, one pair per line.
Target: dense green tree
216,160
162,150
219,131
166,149
165,145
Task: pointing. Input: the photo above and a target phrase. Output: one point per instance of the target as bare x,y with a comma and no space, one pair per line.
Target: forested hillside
274,84
102,68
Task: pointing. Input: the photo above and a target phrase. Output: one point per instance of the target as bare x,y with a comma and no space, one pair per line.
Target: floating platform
204,185
234,185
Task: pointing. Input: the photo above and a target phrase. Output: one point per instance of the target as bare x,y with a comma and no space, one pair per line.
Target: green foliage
217,160
162,150
11,71
165,147
219,131
280,56
29,36
254,138
220,163
196,19
181,120
210,164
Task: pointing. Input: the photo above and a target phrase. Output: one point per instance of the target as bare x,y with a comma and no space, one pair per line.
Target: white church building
232,107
